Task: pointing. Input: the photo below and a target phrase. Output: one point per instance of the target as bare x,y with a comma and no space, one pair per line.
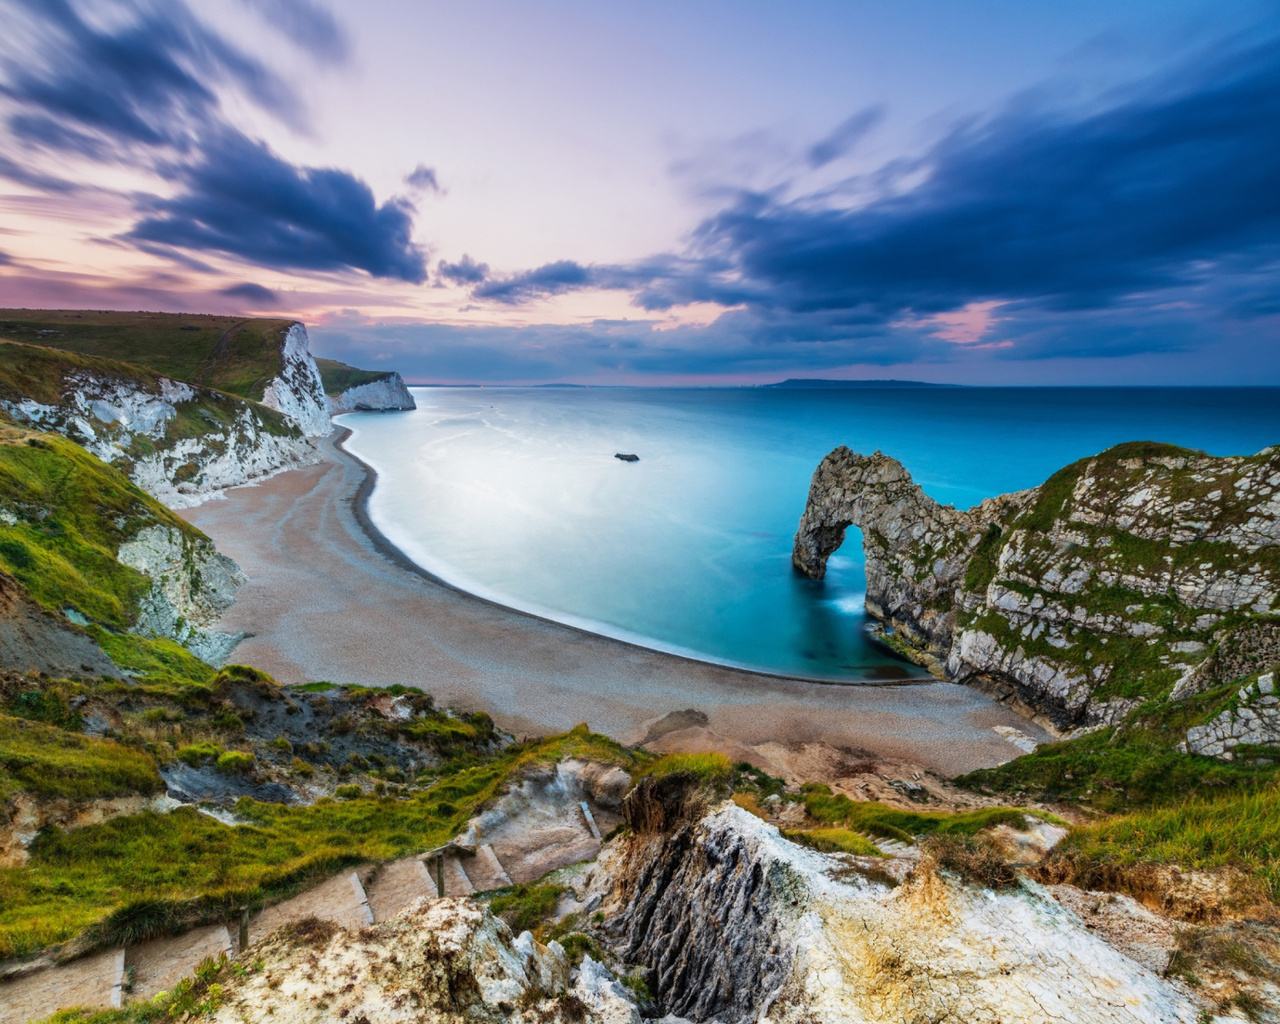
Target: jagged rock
735,923
1055,596
446,960
1255,721
192,584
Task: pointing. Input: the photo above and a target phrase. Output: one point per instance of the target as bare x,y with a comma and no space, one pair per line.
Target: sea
516,495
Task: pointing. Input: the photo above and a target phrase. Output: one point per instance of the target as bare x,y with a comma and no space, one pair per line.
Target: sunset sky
994,191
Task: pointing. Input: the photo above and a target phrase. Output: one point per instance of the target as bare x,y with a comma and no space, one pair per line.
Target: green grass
1128,767
891,823
713,769
74,512
835,840
233,354
337,377
1237,829
48,762
525,907
138,875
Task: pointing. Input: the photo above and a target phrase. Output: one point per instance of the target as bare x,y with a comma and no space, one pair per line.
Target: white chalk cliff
386,394
297,390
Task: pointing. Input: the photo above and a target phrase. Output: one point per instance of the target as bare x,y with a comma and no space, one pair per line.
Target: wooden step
485,870
340,899
159,964
95,980
397,885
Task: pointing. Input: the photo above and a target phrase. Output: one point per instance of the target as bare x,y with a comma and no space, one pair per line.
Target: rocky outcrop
192,584
1109,584
386,394
297,390
1254,721
446,960
181,443
735,923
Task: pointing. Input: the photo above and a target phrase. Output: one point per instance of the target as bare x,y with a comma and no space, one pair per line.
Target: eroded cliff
181,443
1145,571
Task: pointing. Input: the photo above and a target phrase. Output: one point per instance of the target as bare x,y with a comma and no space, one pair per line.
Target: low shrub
348,792
973,858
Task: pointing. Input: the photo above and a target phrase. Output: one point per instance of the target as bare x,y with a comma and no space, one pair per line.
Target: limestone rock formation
351,390
1143,571
735,923
192,584
446,960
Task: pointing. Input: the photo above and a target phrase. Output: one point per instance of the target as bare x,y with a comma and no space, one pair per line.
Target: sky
696,192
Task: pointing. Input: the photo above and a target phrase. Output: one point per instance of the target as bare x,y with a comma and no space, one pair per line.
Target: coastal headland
328,599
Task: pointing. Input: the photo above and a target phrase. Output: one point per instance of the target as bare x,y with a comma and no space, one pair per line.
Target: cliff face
192,584
1142,572
296,390
181,443
734,923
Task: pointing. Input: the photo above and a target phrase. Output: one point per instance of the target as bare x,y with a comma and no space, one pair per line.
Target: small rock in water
626,458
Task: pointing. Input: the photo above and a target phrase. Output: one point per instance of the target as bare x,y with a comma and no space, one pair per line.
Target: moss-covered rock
1141,572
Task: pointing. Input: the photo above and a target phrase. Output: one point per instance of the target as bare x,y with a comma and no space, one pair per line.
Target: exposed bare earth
324,603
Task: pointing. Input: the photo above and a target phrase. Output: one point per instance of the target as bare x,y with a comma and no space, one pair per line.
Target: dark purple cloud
255,294
465,271
243,200
309,26
143,90
1160,193
845,137
424,178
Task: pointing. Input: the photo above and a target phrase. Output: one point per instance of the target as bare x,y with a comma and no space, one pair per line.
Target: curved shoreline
385,547
324,603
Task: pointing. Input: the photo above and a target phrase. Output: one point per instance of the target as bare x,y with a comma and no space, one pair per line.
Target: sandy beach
329,599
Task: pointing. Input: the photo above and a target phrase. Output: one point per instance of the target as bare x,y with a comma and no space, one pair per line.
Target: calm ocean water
515,494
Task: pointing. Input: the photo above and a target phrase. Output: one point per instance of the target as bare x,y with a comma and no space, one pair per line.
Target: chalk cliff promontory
1146,571
351,390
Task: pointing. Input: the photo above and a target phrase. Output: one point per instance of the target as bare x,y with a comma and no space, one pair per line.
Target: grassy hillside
337,377
63,516
234,354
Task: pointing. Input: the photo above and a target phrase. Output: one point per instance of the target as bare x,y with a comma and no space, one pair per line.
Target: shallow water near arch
516,494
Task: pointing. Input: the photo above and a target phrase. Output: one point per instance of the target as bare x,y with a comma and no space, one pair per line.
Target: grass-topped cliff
339,377
65,517
238,355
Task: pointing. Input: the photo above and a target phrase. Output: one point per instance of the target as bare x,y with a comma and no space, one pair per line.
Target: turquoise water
515,494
